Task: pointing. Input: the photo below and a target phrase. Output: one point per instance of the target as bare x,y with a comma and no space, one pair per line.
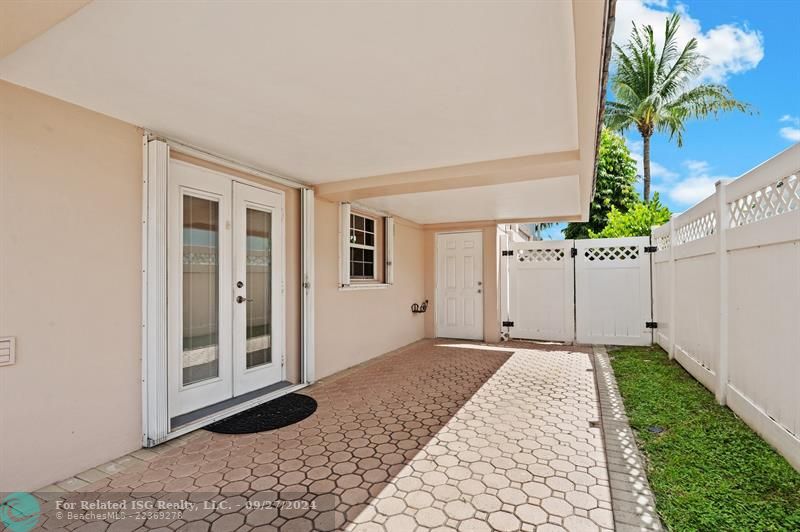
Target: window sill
363,286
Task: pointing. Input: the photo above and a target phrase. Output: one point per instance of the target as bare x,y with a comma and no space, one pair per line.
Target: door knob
240,299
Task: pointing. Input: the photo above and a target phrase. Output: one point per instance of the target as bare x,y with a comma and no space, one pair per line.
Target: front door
224,284
459,285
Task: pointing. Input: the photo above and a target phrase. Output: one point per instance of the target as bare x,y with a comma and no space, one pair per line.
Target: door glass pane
259,288
200,289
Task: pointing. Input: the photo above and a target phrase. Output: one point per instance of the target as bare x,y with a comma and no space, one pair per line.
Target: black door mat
281,412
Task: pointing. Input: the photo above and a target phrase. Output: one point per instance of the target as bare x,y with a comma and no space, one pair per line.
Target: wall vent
7,350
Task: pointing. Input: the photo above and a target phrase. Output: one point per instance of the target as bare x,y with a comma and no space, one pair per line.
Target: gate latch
651,325
650,249
508,324
507,252
573,252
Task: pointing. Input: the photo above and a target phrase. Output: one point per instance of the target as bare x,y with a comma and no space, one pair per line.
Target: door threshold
244,402
184,419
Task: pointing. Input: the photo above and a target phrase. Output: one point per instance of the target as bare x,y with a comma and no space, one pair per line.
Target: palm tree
656,91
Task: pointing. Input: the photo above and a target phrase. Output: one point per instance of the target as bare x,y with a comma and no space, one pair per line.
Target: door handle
240,299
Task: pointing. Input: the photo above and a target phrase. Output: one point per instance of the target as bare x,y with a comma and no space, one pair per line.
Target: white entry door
224,284
459,285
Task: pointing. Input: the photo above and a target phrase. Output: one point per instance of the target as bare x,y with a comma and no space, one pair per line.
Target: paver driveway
444,434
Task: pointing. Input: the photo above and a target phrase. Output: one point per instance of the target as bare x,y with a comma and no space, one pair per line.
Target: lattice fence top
662,242
540,255
702,227
200,259
611,253
771,200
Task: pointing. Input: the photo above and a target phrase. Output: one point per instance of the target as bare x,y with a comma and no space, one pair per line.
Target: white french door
224,283
257,287
459,285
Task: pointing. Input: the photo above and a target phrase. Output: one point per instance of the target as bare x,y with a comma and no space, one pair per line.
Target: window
366,249
362,248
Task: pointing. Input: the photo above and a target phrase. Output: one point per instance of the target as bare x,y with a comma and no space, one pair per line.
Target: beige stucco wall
70,288
491,278
356,325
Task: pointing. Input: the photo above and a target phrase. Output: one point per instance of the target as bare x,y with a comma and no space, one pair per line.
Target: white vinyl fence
726,289
591,291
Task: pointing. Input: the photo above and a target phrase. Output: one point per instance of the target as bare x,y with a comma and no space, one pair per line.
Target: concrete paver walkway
519,455
441,435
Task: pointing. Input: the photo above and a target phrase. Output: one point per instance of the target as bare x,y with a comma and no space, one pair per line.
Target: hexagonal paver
486,502
430,517
400,523
459,510
504,521
418,499
558,507
580,524
437,436
512,496
391,506
579,499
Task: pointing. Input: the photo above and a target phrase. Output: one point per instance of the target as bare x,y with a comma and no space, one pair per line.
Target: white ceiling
510,201
325,91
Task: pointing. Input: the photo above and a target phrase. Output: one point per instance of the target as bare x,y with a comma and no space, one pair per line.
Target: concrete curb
631,498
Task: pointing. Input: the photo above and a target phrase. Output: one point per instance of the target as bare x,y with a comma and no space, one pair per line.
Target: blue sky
753,47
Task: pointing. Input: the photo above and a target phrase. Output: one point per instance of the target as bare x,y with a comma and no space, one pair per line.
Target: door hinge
650,249
651,324
573,252
507,252
508,324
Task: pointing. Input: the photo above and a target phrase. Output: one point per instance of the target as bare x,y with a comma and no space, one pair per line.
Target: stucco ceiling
547,198
323,91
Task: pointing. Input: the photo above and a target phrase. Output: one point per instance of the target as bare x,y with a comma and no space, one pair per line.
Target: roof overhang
436,112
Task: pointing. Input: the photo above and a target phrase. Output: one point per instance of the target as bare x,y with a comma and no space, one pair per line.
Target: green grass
708,470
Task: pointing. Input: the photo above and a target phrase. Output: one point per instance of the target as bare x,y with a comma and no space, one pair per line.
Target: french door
224,282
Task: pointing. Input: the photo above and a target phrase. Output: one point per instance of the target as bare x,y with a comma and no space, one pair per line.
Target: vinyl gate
589,291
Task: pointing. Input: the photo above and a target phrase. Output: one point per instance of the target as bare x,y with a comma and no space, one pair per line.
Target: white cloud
792,131
683,188
697,167
693,189
697,186
730,48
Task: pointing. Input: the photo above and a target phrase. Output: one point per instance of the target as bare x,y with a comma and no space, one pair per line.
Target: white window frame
388,250
374,248
345,283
